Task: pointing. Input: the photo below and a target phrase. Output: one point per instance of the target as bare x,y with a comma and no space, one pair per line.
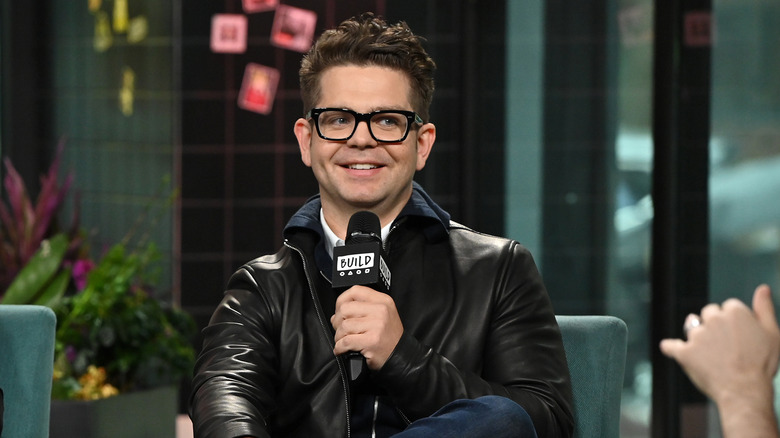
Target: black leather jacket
477,321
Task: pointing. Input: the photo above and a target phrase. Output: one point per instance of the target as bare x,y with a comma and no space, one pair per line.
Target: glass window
547,172
578,165
745,152
629,288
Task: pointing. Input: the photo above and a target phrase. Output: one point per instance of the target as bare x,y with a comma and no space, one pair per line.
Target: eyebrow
370,110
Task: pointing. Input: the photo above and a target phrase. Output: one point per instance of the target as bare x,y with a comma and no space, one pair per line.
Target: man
731,354
465,342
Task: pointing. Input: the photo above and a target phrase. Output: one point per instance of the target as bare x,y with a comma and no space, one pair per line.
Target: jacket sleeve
524,358
233,384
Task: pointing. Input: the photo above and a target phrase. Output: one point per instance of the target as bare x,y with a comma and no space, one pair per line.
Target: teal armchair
596,352
26,367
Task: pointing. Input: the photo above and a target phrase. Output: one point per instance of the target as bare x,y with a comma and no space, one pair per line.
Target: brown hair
368,40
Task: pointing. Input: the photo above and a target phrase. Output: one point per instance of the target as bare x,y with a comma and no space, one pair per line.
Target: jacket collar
419,205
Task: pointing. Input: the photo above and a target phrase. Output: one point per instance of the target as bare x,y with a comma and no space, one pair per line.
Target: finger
353,310
691,322
709,311
352,326
344,297
356,293
346,304
764,308
672,347
346,317
347,343
346,312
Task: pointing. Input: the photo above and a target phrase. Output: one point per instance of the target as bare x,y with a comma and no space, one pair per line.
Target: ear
303,134
426,136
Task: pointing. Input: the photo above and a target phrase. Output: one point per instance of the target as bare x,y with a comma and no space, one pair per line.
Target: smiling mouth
362,166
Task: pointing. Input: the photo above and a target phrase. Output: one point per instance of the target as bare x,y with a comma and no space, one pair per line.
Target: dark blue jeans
489,417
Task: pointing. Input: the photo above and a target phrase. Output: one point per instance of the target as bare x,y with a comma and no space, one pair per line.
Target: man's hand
732,344
366,321
732,356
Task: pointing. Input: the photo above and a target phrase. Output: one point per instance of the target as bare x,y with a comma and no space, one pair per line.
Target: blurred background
632,145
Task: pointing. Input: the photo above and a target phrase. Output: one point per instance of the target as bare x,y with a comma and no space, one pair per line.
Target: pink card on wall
228,33
293,28
258,88
251,6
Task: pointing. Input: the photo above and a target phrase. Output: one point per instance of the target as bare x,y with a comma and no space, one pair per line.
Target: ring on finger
691,322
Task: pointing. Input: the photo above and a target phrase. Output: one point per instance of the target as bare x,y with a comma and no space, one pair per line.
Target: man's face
361,173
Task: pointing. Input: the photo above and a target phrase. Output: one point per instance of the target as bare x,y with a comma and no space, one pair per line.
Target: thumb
764,308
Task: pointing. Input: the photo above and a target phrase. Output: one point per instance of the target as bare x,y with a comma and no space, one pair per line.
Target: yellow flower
94,386
108,390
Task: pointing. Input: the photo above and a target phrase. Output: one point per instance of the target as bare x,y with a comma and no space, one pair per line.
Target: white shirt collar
332,240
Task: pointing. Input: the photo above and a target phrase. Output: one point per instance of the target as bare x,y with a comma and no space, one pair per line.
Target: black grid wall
241,173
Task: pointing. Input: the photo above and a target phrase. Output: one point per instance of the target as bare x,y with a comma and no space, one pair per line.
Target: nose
362,137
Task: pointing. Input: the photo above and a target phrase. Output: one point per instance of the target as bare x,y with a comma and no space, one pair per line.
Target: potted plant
113,338
36,256
119,352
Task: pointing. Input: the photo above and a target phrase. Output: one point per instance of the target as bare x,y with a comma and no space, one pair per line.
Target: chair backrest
596,352
26,367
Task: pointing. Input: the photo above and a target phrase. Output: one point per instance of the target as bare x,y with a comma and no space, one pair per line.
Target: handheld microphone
361,262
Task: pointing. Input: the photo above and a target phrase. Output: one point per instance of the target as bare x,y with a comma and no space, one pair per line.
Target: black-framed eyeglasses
387,126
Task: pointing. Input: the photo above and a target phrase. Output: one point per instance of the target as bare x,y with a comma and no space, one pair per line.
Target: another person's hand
731,354
366,321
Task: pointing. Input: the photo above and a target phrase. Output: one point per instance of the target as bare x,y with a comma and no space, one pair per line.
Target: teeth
362,166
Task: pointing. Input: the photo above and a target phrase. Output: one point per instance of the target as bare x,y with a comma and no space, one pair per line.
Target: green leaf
37,273
55,290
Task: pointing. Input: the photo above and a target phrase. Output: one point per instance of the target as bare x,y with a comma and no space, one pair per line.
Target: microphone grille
365,223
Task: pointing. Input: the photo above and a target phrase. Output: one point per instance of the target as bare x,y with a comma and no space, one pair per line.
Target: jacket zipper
386,247
324,327
373,421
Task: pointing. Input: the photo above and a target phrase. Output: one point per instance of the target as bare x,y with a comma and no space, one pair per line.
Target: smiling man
464,343
372,167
